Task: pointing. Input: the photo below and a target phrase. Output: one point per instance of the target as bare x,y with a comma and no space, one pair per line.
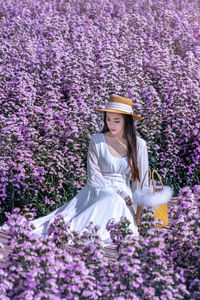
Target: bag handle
153,180
150,175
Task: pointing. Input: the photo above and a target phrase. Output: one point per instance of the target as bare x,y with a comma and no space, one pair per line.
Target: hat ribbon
119,106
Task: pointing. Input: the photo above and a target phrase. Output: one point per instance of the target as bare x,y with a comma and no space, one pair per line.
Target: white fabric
100,199
119,106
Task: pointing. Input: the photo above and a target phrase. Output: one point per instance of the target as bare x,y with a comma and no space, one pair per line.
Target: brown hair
130,135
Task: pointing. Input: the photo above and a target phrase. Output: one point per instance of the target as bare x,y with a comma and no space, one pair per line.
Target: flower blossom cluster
160,264
61,59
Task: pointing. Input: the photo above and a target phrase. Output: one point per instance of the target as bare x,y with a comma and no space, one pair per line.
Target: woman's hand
125,196
129,202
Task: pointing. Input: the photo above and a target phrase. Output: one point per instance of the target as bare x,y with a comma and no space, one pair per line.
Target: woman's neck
119,137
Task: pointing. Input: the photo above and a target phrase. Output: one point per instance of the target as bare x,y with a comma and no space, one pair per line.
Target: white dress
100,199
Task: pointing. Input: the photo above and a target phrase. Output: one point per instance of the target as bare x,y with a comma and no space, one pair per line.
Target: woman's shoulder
97,137
140,142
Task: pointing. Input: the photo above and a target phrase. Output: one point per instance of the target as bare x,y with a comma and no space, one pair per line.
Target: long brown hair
130,135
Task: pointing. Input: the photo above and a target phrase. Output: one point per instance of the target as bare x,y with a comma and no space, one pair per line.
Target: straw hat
119,105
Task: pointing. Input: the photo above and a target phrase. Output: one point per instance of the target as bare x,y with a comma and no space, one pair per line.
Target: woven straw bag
161,212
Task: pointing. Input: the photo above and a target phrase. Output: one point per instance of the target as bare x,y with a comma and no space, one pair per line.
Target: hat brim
135,117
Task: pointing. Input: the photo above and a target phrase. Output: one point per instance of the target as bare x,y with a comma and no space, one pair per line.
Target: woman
116,156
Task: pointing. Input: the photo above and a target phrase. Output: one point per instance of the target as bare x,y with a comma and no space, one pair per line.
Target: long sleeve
142,157
93,170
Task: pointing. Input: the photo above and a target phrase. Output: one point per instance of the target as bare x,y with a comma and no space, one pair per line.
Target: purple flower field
160,264
60,59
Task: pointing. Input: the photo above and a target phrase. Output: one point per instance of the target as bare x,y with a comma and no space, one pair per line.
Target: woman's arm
93,170
143,164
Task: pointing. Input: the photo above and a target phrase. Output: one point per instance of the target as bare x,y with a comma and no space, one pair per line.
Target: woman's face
115,123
